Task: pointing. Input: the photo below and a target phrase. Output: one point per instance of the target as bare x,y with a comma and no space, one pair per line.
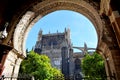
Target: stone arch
41,9
107,55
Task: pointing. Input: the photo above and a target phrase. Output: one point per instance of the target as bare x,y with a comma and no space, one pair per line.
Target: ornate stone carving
108,35
104,6
20,30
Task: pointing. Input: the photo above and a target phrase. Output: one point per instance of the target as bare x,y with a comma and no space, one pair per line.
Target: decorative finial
40,34
65,29
49,31
57,31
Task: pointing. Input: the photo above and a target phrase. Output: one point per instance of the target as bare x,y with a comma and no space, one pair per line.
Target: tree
93,67
39,66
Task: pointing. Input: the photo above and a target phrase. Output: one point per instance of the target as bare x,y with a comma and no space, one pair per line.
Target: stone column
4,49
116,59
71,64
16,67
115,21
112,60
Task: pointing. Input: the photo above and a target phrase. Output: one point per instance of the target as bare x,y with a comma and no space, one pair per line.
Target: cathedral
57,46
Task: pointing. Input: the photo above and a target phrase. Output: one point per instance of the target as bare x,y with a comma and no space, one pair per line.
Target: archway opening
82,31
43,8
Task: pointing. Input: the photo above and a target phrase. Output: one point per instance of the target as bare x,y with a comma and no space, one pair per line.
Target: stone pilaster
115,21
12,63
111,57
4,49
116,59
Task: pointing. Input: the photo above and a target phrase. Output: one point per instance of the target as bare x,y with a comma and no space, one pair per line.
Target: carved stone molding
109,35
20,30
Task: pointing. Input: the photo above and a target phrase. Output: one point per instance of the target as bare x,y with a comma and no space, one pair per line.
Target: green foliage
93,67
39,66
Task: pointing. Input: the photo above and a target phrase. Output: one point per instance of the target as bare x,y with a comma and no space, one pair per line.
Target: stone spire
85,48
40,35
67,35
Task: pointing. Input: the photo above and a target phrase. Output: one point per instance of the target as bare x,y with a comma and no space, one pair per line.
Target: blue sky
81,29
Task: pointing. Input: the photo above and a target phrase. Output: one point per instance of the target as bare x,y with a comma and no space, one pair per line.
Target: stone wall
11,65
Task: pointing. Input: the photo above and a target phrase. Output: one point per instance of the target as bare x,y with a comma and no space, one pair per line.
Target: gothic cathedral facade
58,47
